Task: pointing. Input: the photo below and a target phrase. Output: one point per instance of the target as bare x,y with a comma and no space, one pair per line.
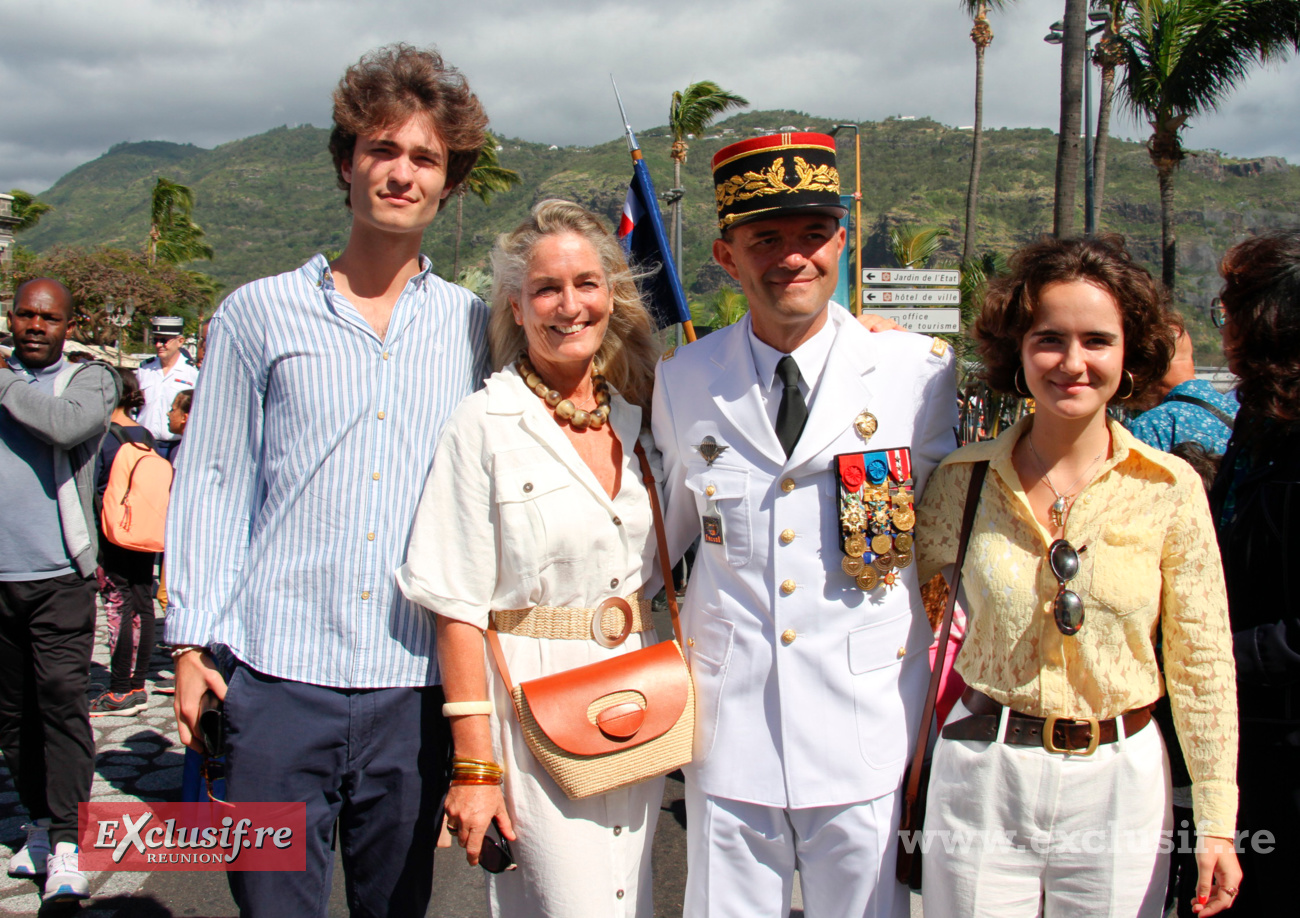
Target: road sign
912,296
937,276
929,321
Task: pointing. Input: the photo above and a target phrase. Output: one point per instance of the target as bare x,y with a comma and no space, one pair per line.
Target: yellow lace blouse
1151,562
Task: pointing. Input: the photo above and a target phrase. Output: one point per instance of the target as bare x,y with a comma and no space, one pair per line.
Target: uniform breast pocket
722,496
1126,569
531,505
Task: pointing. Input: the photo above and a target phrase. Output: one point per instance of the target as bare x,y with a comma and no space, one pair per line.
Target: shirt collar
810,356
318,269
19,367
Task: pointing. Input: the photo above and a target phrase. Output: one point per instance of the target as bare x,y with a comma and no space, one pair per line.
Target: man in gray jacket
53,415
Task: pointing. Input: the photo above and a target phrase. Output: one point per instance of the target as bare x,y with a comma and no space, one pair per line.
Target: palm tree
913,248
27,209
981,34
1068,148
1182,58
487,176
173,235
690,113
1108,56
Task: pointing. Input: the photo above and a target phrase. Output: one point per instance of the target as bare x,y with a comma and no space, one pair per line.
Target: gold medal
868,579
852,566
865,424
903,543
902,559
871,492
884,563
904,519
855,545
882,544
902,497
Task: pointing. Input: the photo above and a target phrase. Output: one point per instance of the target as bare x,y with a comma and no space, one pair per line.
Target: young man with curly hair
322,396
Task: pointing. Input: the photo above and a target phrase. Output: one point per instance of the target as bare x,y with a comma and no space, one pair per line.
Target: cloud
81,77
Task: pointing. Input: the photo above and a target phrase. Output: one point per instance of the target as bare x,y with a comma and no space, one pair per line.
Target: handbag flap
560,702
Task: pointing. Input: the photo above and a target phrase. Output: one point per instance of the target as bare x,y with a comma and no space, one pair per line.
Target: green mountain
268,202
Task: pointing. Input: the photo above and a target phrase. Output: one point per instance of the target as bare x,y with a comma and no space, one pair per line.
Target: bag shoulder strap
647,476
977,474
1223,416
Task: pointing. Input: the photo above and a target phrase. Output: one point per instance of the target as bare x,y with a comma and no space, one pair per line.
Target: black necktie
793,413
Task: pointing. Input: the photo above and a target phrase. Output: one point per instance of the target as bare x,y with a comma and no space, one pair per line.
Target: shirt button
788,636
375,476
365,594
613,583
618,830
370,536
787,587
528,487
380,415
787,536
385,355
619,894
710,490
788,485
617,521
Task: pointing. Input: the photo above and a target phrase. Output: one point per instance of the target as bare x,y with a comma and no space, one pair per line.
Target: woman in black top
1256,506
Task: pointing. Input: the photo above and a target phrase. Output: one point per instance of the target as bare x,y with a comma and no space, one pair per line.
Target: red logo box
193,836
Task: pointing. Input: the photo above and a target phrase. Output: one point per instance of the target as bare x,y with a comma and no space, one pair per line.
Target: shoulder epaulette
668,354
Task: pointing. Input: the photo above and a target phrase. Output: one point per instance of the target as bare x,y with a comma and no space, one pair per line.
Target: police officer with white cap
161,377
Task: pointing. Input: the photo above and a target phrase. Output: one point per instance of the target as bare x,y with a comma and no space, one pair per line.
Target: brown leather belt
1055,734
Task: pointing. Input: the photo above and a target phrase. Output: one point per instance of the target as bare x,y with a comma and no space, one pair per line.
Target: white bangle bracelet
178,652
462,708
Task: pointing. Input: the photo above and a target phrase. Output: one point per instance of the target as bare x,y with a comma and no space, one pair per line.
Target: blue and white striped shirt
303,464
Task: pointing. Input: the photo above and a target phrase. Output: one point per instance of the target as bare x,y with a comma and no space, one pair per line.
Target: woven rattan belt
573,623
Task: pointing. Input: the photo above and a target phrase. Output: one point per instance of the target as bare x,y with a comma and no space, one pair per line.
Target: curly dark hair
1261,299
389,85
132,399
1150,328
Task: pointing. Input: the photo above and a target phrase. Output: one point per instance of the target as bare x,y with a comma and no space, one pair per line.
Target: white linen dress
511,517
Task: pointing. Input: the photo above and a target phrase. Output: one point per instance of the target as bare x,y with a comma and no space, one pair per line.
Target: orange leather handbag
617,722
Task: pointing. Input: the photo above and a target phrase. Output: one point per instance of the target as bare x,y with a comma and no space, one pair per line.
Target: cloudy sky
78,77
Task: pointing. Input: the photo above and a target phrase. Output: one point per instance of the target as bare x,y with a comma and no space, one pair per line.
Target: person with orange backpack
121,470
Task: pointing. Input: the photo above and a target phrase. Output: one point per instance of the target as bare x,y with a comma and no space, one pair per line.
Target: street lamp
121,317
1056,36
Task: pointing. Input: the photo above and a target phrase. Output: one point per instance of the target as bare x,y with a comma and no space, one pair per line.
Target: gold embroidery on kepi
876,514
777,175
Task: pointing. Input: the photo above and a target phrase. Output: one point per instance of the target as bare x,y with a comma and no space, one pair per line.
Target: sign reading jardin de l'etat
939,276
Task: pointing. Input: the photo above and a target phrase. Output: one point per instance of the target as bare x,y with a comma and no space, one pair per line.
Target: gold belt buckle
1049,729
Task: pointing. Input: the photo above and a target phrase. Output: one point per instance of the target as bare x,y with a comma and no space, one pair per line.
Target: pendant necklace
1060,507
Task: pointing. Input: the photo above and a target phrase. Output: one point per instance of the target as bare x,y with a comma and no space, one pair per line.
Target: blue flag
641,230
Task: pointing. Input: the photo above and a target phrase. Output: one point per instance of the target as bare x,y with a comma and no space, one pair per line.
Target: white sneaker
65,883
29,860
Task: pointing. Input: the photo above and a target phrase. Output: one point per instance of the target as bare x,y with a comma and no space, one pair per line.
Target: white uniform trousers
1020,831
741,859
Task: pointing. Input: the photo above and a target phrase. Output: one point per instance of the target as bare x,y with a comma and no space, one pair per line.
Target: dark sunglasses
1068,607
1218,315
495,856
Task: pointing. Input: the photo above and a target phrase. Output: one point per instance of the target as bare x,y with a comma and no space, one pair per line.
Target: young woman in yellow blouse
1049,783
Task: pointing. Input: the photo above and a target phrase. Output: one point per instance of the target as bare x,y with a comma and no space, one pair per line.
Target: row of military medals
877,515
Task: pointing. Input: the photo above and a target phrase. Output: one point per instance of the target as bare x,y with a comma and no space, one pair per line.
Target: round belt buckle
598,635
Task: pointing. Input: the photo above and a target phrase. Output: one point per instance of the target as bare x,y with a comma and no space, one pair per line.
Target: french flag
641,231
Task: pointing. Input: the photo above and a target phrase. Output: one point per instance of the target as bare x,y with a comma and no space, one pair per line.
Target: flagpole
688,327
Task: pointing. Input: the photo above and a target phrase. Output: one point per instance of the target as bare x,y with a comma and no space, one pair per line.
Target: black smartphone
495,856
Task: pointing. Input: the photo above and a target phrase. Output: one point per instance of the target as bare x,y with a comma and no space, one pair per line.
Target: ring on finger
1230,890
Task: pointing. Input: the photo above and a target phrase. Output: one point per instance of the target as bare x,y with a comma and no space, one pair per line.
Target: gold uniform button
365,594
710,490
375,476
690,642
380,415
902,652
370,536
787,587
787,536
788,636
788,485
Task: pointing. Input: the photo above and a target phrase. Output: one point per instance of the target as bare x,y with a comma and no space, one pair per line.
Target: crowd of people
393,496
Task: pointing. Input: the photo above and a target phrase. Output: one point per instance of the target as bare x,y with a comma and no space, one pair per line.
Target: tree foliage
913,248
28,209
488,177
694,110
981,35
97,275
174,237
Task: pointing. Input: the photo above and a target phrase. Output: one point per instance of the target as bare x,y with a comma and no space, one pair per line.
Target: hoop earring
1128,395
1022,386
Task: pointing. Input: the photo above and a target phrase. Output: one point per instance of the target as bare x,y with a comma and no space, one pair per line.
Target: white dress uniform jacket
809,690
160,388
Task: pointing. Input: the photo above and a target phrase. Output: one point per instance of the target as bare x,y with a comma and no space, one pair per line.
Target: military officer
794,443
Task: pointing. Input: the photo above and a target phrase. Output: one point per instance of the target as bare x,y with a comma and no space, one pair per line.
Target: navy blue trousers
372,760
